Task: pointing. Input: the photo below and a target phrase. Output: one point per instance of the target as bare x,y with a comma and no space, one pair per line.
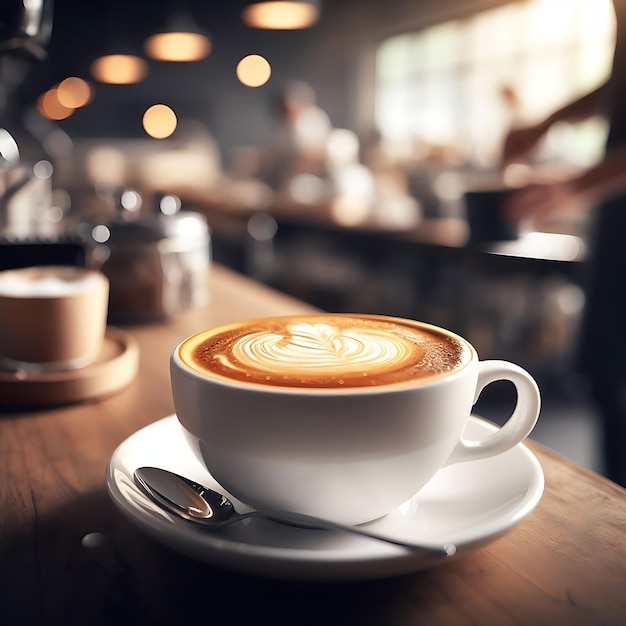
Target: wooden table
564,564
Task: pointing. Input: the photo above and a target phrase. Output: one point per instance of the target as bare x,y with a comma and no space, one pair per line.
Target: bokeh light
43,169
74,92
178,47
131,201
170,204
119,69
49,106
254,70
101,233
281,15
159,121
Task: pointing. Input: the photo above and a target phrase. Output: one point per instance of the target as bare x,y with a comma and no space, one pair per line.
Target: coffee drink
326,351
343,416
52,318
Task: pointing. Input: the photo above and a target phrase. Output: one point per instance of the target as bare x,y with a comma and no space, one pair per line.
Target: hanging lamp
119,68
120,63
286,15
181,41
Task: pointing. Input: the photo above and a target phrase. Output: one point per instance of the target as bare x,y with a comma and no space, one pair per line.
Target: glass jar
157,267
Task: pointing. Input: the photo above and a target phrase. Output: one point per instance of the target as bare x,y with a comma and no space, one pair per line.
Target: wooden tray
115,368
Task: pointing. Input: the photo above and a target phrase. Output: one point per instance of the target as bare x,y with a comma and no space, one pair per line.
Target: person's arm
541,201
520,142
589,104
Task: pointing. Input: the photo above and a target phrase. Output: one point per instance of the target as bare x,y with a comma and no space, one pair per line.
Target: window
463,83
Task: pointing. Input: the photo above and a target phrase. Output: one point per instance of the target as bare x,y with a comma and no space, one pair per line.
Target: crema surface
325,351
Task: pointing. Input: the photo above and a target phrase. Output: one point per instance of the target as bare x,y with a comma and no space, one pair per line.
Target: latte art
319,349
325,351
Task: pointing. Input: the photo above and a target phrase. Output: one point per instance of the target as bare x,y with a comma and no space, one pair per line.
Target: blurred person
299,142
602,190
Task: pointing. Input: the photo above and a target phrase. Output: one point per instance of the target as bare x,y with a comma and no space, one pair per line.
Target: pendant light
120,63
119,69
286,15
181,41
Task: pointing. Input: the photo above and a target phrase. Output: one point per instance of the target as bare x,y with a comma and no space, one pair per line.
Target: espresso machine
28,235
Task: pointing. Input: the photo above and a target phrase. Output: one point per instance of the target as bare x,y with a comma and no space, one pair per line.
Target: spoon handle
301,519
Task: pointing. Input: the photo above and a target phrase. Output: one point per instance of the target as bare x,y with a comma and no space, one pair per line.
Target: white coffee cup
346,453
52,318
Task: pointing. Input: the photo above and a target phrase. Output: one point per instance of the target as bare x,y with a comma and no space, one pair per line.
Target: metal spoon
202,505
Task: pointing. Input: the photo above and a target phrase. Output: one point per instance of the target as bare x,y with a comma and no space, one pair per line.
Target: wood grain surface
68,557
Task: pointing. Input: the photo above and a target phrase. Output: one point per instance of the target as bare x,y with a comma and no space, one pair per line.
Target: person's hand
520,143
539,202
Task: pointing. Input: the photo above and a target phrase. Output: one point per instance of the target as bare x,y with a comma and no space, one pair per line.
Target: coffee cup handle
517,427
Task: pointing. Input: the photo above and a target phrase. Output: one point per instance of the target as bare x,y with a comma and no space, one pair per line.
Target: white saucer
467,504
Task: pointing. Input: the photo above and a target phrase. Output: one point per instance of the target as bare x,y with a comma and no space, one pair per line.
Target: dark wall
335,57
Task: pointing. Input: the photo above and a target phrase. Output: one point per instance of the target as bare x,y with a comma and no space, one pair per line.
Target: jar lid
136,230
184,224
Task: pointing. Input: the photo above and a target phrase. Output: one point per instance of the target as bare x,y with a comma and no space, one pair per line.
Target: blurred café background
332,160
